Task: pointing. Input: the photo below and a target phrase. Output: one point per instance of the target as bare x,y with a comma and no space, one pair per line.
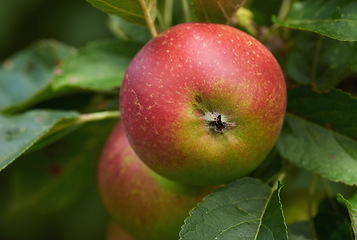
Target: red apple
143,203
203,103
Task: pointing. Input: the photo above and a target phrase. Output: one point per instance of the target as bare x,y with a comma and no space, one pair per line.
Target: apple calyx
219,126
216,123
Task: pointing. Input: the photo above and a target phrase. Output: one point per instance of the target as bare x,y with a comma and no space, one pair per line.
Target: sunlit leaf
25,78
98,66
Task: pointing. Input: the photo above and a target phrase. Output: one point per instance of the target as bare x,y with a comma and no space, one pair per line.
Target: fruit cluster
201,105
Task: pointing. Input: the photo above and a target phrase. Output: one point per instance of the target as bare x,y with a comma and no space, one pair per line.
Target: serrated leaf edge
276,187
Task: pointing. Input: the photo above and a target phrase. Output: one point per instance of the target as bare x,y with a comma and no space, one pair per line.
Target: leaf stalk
148,19
84,118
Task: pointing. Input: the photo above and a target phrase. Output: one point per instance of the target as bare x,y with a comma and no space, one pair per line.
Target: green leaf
216,11
351,205
99,66
53,135
129,10
50,180
332,18
319,61
244,209
335,110
320,134
19,132
65,127
49,69
332,222
272,225
318,149
127,31
25,78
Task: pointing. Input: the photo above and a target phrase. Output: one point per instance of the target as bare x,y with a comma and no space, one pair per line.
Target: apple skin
181,81
140,201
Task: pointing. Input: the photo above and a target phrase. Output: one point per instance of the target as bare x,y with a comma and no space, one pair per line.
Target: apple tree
68,172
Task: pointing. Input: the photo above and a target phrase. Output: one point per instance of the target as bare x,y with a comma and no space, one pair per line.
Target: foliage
244,209
57,104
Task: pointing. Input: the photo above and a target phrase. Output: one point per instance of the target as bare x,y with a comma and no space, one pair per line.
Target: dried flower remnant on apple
214,122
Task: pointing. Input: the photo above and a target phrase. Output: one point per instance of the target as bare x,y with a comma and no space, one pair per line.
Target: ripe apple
203,103
143,203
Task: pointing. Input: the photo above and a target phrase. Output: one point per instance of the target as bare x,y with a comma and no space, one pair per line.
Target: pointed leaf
351,205
130,10
216,11
332,221
332,18
244,209
272,225
99,66
25,77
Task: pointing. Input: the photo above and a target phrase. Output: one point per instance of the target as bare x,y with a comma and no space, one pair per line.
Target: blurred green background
52,194
74,22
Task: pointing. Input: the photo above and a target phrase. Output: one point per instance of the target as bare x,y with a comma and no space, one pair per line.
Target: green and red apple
203,103
144,204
